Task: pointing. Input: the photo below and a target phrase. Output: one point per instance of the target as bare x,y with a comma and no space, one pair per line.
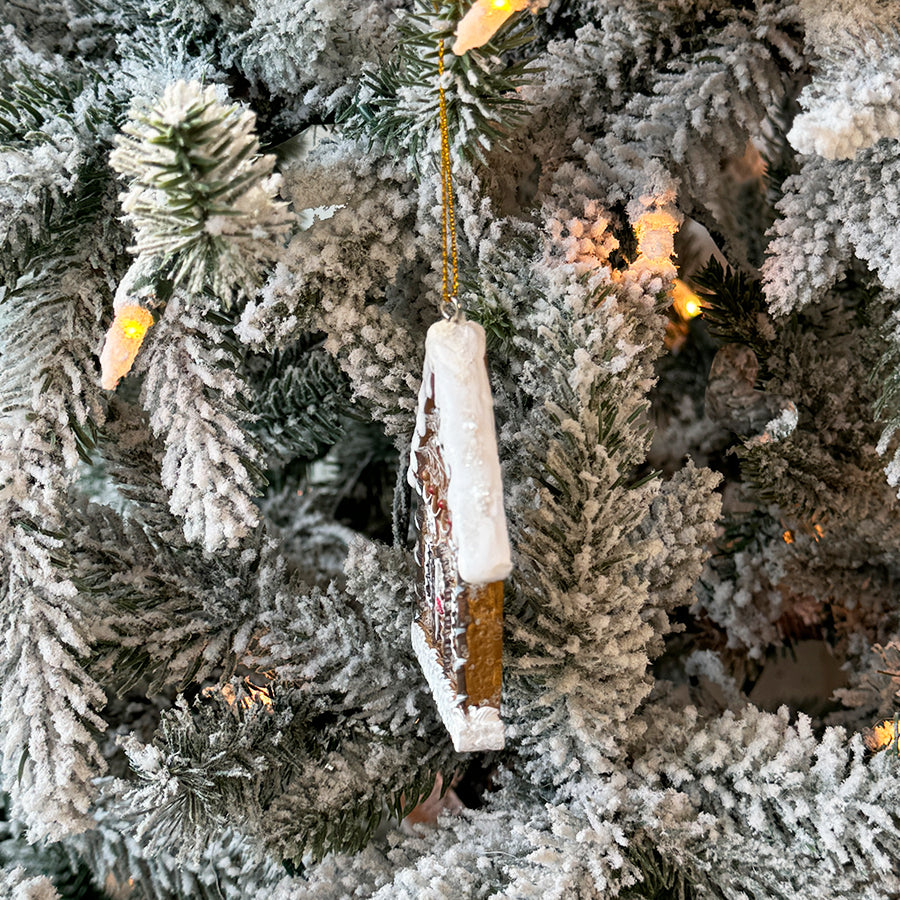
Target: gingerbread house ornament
463,547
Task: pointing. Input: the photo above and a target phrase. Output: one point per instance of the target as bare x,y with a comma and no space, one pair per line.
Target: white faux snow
127,293
476,727
784,424
455,365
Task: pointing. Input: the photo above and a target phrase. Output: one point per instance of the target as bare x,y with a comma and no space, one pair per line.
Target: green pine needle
302,403
734,308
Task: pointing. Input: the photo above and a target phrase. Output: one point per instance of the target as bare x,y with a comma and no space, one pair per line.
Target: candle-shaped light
123,340
483,21
655,232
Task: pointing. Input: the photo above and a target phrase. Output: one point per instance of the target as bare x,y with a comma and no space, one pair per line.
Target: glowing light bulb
655,234
132,329
123,340
685,302
483,21
881,736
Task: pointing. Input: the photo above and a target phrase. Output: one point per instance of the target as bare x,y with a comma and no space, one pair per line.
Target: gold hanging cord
449,302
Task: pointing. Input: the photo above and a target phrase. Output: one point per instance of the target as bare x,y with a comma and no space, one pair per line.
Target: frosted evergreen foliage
195,401
740,593
587,428
831,212
692,100
53,128
125,867
875,686
201,198
293,777
888,406
397,103
755,773
49,703
18,885
300,50
852,101
207,577
330,269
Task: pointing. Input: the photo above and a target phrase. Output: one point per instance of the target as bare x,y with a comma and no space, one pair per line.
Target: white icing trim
455,356
476,727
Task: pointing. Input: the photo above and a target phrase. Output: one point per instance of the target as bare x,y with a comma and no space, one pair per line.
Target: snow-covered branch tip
201,196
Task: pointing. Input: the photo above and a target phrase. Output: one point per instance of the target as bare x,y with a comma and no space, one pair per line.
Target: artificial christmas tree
221,245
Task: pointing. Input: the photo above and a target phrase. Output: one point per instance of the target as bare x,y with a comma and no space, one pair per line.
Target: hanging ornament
463,545
483,21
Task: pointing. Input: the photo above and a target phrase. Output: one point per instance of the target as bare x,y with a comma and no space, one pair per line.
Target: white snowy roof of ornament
455,369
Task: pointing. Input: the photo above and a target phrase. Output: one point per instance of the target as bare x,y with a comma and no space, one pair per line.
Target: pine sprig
66,872
37,109
302,401
32,99
202,197
61,223
661,878
734,308
887,406
397,105
276,766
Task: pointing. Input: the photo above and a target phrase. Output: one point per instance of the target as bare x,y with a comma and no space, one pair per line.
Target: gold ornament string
449,300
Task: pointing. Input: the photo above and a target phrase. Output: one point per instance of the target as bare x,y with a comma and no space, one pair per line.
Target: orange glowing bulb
123,340
655,231
686,303
881,736
132,329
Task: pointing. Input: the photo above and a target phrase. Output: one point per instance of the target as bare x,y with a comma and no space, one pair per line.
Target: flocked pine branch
744,781
121,864
397,105
50,703
18,884
302,51
55,125
831,212
199,404
581,441
852,101
342,294
349,738
201,196
302,401
202,610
